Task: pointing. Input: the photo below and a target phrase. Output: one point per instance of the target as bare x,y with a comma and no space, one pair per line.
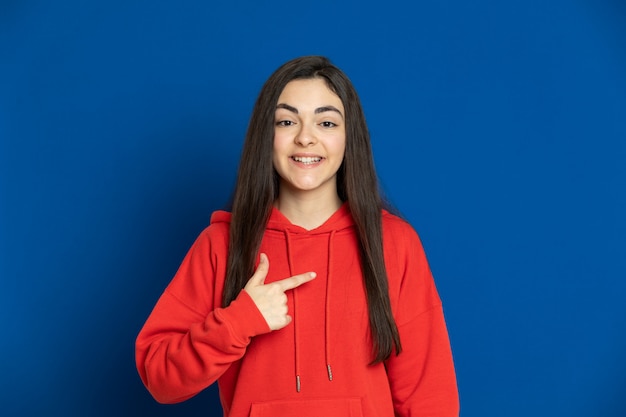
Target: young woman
308,299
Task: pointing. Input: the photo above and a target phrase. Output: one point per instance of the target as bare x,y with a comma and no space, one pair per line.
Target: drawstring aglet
330,372
298,383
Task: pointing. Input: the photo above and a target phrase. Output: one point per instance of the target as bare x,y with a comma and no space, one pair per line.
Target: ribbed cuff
244,317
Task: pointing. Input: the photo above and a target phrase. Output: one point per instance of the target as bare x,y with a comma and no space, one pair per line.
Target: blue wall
499,131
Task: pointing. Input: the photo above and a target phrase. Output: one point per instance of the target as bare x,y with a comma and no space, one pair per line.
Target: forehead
312,92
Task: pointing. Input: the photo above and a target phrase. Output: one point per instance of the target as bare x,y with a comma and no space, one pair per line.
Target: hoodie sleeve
188,341
422,376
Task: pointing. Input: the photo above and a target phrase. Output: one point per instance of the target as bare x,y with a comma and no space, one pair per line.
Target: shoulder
219,225
411,285
397,228
215,236
401,242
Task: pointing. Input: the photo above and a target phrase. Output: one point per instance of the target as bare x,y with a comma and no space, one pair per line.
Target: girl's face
309,138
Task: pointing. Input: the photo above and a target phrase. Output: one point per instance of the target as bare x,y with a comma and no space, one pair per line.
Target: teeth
307,159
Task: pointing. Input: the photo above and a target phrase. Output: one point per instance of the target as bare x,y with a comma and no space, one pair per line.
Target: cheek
280,143
340,147
275,147
278,151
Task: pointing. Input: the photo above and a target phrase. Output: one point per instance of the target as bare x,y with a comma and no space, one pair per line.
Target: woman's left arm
422,376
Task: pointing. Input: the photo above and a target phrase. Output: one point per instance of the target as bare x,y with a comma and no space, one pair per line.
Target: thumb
261,272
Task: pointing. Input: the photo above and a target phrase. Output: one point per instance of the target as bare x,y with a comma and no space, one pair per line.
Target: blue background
498,128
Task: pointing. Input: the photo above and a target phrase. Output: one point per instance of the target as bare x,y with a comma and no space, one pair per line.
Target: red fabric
189,342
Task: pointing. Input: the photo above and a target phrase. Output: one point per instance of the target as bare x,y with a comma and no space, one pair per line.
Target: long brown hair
257,188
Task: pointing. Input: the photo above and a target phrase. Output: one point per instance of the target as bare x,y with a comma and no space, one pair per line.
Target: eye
328,124
284,123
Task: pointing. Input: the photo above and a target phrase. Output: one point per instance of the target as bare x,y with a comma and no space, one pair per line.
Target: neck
305,210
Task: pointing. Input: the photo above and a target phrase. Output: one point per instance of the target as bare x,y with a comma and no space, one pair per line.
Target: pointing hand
271,299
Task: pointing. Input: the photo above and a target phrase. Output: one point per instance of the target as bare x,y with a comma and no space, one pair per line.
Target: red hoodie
319,364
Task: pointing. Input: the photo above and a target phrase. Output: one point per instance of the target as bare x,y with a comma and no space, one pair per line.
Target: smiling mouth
307,160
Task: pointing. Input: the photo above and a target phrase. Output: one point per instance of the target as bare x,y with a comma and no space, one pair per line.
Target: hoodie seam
180,300
427,311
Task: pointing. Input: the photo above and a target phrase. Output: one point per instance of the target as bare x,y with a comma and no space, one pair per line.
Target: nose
305,136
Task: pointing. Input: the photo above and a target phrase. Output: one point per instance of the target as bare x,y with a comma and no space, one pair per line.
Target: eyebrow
317,111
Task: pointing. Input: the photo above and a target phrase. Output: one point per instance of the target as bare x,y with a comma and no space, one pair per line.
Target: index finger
295,281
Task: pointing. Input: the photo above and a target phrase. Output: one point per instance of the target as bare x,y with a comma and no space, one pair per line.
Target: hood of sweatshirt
322,238
340,220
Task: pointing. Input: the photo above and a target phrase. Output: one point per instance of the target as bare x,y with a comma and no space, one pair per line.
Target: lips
307,160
